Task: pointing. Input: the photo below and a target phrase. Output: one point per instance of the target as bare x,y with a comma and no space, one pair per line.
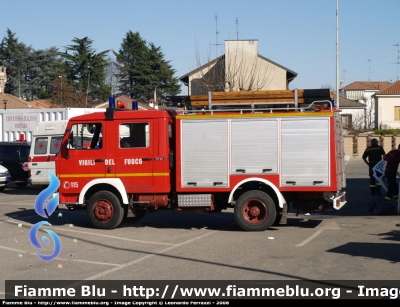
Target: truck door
134,154
82,159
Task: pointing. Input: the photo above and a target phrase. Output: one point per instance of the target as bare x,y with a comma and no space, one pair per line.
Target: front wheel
255,211
104,210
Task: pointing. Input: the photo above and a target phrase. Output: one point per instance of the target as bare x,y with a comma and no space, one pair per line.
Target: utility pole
87,91
61,77
337,54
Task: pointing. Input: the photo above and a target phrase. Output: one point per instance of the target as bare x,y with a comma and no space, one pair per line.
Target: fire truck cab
259,161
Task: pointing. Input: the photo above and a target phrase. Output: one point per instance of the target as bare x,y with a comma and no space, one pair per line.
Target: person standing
371,156
392,164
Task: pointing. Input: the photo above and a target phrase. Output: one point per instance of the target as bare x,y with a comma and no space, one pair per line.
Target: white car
5,178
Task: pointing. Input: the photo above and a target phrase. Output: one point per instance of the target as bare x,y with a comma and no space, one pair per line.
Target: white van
46,142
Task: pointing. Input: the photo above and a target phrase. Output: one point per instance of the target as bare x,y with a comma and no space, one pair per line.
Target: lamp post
5,104
61,88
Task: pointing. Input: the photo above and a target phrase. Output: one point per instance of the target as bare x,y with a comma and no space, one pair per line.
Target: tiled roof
16,103
367,85
127,100
347,103
393,89
41,103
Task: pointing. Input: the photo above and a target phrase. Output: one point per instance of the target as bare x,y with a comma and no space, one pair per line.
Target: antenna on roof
343,77
216,35
398,60
369,69
237,30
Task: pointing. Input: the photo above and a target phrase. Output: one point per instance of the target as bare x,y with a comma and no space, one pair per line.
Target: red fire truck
256,152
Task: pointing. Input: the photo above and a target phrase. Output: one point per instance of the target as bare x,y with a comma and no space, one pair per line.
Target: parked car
14,157
5,178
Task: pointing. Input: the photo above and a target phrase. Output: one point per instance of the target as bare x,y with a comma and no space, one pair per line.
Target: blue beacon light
111,102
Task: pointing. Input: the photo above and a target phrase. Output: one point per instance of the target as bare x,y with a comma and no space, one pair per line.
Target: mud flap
283,220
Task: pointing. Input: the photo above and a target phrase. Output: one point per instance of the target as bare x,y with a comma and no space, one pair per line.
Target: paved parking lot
346,244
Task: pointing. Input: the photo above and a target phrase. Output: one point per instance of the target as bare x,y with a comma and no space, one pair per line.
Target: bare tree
234,73
63,95
369,116
357,124
246,74
211,75
112,72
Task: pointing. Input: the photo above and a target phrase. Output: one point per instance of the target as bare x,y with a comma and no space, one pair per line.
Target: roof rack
257,101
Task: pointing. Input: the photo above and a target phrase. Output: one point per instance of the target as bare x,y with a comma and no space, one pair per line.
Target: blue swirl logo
45,213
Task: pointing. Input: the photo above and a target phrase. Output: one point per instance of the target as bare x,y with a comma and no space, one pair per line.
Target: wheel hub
103,210
255,212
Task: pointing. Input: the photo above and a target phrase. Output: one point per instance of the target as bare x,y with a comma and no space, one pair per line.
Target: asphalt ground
347,244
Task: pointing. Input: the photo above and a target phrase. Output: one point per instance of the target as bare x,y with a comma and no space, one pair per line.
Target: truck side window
85,136
134,135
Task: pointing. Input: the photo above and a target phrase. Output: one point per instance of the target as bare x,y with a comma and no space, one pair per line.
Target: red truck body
257,161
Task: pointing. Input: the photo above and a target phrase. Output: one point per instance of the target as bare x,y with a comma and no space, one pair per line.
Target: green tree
133,64
162,75
28,71
86,69
48,66
143,70
8,47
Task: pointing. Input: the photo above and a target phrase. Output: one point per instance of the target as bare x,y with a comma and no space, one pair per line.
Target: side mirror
70,143
90,128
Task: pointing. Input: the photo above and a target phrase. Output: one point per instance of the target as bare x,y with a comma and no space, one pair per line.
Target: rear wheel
2,189
255,211
104,210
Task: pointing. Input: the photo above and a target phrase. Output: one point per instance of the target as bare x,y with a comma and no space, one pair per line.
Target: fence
354,146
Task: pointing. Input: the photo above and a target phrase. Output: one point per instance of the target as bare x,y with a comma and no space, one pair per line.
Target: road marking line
328,225
310,238
97,276
105,236
59,258
114,237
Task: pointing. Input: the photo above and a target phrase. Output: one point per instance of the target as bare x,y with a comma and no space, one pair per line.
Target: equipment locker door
254,146
205,153
134,154
305,141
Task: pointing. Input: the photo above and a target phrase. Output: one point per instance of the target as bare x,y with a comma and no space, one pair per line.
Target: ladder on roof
257,100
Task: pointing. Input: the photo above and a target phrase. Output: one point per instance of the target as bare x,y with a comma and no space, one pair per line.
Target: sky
326,42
